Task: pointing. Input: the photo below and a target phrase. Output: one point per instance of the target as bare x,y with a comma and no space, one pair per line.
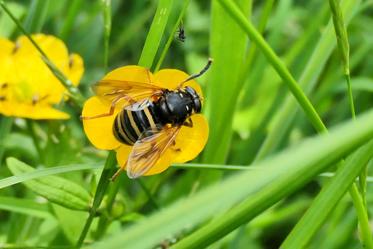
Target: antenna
209,62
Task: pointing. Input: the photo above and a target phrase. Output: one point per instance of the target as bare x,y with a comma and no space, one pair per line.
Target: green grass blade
25,206
5,128
72,12
36,15
172,36
299,165
288,110
107,172
155,33
330,195
276,62
223,82
56,189
39,173
107,30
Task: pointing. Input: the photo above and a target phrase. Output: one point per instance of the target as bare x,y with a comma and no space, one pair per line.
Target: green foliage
56,189
274,84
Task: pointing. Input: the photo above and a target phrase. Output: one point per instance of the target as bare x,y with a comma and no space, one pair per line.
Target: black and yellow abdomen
130,124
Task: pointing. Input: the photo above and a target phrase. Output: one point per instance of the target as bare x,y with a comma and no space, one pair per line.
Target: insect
150,118
181,33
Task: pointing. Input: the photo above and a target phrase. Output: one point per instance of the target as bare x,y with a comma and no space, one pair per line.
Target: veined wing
125,92
150,146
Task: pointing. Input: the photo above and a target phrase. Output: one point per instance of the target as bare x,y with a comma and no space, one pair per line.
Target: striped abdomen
129,125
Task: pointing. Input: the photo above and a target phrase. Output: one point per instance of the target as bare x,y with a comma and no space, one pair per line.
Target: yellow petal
24,110
99,130
6,47
191,140
131,73
76,69
171,78
52,46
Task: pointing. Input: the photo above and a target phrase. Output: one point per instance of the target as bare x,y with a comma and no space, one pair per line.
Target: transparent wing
125,92
149,148
138,106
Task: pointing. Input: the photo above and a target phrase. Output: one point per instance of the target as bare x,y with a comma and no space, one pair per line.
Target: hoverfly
150,117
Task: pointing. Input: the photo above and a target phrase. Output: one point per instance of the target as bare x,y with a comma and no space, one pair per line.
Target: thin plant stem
72,90
148,194
110,200
171,37
35,139
5,127
107,172
107,31
359,199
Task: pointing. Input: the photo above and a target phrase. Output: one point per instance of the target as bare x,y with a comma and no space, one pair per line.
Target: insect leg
116,174
188,123
111,111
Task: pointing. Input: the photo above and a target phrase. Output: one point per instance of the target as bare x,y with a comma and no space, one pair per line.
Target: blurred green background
251,113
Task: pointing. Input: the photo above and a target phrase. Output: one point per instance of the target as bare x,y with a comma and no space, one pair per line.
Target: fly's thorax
177,106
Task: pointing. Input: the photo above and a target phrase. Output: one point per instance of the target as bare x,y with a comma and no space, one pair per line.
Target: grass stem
107,172
171,36
107,31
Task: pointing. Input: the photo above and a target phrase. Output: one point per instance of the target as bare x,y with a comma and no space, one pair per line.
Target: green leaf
25,206
255,190
328,198
56,189
283,119
223,83
38,173
155,33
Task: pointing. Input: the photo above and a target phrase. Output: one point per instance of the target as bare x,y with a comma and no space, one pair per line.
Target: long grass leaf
25,206
155,33
39,173
285,116
330,195
56,189
276,62
223,80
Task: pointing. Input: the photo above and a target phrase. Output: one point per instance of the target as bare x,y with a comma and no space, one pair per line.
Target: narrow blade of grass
25,206
36,15
276,62
329,196
155,33
223,82
172,35
287,111
56,189
39,173
107,30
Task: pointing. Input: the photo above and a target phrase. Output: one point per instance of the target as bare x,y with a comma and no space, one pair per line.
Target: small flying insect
150,117
181,32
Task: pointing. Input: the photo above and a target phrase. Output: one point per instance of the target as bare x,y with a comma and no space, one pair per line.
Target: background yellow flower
28,88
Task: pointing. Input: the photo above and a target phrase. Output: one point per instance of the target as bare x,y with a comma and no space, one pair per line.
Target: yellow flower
190,140
28,89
